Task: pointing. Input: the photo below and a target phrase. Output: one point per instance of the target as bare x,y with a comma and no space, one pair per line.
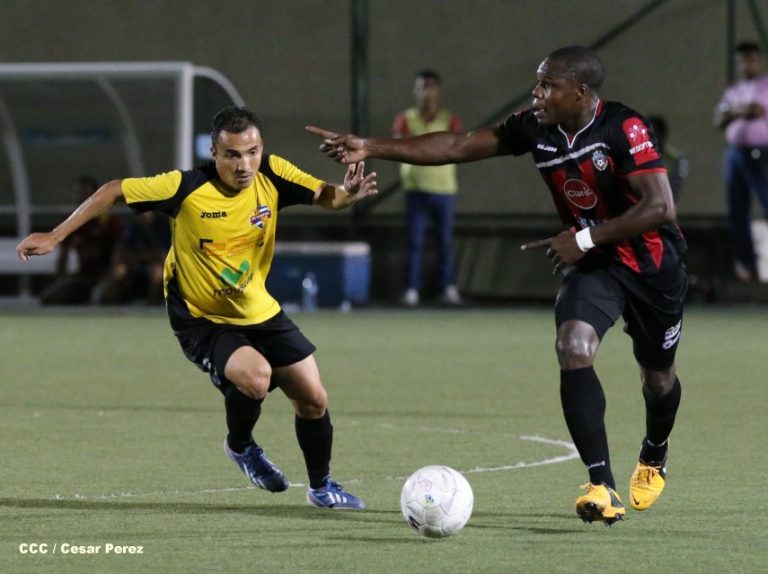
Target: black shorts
209,345
652,307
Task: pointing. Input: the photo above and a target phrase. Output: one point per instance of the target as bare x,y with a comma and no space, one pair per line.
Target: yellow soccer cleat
646,485
600,503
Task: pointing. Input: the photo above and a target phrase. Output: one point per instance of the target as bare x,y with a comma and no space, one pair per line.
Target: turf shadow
514,515
283,511
520,521
424,415
532,529
116,408
406,539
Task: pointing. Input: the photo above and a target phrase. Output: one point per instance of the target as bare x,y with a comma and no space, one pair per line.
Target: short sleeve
517,133
633,145
154,193
294,186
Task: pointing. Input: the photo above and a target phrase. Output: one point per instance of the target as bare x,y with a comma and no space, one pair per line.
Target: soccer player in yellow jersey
223,218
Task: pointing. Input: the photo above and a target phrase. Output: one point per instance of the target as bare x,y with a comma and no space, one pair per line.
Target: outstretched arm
435,148
655,207
42,243
355,187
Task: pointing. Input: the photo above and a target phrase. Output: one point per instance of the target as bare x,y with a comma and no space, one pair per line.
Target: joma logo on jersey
212,214
579,194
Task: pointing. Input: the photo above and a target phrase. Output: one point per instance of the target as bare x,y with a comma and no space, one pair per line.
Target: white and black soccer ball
436,501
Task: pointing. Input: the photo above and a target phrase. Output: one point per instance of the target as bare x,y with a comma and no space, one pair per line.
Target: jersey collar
572,140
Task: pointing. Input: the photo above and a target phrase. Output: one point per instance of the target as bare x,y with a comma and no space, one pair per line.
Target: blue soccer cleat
258,468
333,495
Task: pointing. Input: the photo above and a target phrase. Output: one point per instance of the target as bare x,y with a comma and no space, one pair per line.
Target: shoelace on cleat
646,474
255,462
589,487
333,485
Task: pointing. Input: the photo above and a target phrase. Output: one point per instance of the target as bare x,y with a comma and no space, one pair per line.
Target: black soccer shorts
652,307
210,345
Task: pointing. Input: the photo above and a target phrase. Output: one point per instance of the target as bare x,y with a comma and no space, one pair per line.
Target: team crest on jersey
260,216
579,194
599,160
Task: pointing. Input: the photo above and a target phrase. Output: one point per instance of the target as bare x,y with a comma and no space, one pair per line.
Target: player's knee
658,383
313,405
252,380
574,351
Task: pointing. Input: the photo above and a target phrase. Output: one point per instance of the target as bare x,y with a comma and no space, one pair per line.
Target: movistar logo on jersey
260,216
234,280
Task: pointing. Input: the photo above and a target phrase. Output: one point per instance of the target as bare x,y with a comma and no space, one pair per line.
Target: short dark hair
428,74
233,119
747,47
583,63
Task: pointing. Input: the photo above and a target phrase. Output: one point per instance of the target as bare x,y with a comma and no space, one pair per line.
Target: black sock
242,414
660,415
584,408
316,439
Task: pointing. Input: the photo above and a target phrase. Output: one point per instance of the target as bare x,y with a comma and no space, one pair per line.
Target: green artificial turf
109,436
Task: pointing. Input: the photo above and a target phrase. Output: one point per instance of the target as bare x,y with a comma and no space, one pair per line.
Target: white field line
571,454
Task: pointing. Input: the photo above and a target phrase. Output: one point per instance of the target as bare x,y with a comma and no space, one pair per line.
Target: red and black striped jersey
588,176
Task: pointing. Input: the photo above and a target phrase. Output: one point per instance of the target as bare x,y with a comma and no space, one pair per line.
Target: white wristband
584,239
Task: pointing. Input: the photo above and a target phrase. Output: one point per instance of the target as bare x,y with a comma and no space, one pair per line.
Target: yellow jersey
428,178
223,241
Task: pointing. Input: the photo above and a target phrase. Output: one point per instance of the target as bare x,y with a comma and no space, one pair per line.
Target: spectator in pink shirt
743,114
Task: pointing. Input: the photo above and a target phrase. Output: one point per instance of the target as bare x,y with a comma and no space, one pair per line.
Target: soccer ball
436,501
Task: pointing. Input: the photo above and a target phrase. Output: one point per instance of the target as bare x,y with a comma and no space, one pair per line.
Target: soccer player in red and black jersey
621,253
